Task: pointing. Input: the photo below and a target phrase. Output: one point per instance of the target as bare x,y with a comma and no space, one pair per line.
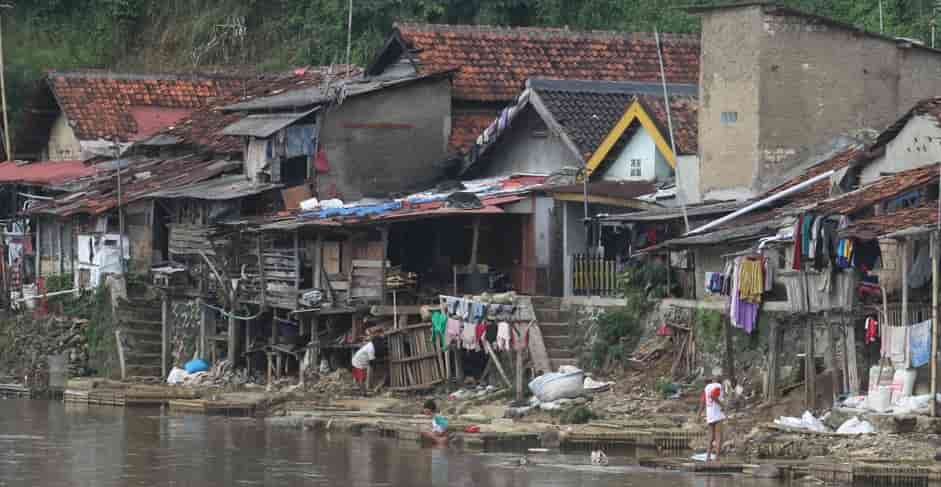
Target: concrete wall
62,143
818,82
528,147
795,83
729,80
918,144
389,141
688,179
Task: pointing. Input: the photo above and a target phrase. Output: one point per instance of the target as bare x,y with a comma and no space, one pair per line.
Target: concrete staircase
556,327
139,325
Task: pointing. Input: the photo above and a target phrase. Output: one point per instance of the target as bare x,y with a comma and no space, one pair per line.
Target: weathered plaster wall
919,143
528,147
63,145
729,83
817,82
389,141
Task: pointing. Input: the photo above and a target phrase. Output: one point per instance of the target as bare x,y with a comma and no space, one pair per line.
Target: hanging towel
751,280
453,331
806,228
920,271
439,327
503,336
469,336
898,345
872,330
919,343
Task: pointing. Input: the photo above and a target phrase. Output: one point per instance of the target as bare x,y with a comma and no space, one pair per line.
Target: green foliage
577,415
709,326
60,282
648,279
618,331
665,386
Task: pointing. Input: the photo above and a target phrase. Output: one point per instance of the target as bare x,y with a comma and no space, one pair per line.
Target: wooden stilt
772,378
935,285
810,372
164,335
830,359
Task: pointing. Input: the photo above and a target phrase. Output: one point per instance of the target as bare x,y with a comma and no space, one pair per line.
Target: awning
44,172
264,125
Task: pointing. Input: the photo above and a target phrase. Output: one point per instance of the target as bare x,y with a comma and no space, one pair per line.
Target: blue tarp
919,343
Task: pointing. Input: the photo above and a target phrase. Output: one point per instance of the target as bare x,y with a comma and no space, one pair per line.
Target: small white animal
599,458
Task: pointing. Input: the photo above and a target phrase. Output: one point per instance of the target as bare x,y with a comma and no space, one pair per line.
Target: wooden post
904,255
519,370
384,232
829,357
164,334
261,272
475,244
728,363
852,370
810,371
934,321
317,261
203,324
297,266
772,373
275,331
38,250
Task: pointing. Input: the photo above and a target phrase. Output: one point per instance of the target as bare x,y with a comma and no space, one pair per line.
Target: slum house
455,240
493,63
615,137
816,263
309,134
779,84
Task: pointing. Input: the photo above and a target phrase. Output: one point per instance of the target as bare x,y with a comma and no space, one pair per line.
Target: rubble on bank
28,342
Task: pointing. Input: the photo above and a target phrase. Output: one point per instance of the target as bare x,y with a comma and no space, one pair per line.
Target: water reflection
51,444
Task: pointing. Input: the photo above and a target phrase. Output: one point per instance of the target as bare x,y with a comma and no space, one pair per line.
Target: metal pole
349,38
666,104
3,94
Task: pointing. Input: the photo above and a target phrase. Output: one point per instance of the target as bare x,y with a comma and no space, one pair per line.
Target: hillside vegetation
163,35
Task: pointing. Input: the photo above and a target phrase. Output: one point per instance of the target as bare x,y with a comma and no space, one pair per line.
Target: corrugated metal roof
726,235
662,214
45,172
315,95
264,125
222,188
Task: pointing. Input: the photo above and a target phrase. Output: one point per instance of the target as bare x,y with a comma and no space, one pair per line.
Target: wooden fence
594,276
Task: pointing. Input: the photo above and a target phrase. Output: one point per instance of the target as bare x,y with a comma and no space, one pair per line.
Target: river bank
627,422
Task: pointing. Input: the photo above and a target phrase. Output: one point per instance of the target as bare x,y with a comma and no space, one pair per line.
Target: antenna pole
676,159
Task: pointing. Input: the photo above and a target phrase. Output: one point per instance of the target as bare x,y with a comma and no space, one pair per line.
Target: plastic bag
855,402
807,422
176,376
913,404
854,426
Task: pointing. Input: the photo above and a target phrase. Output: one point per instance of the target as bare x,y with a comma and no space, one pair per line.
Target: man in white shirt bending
712,403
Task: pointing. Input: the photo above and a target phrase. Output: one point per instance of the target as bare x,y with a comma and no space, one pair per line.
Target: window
636,171
729,117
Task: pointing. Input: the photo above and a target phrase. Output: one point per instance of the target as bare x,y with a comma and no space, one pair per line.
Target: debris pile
29,343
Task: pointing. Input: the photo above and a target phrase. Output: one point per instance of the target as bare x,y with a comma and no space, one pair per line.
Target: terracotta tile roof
99,104
495,62
203,128
880,190
466,126
44,172
878,226
821,190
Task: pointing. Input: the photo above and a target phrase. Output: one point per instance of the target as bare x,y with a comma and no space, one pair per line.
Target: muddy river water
51,444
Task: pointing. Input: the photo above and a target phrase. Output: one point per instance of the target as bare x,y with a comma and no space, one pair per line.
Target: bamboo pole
934,322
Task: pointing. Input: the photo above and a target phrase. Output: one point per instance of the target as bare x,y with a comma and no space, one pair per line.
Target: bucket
881,400
903,382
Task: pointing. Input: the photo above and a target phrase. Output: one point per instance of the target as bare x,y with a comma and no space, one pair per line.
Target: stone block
891,424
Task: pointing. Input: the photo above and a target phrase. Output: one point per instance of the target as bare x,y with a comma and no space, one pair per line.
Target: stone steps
556,328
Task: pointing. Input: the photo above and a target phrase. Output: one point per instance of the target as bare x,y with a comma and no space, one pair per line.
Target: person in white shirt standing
360,363
712,403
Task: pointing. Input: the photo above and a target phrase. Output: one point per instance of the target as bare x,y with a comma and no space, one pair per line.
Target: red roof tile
43,173
929,106
883,189
821,190
878,226
99,104
495,62
466,126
